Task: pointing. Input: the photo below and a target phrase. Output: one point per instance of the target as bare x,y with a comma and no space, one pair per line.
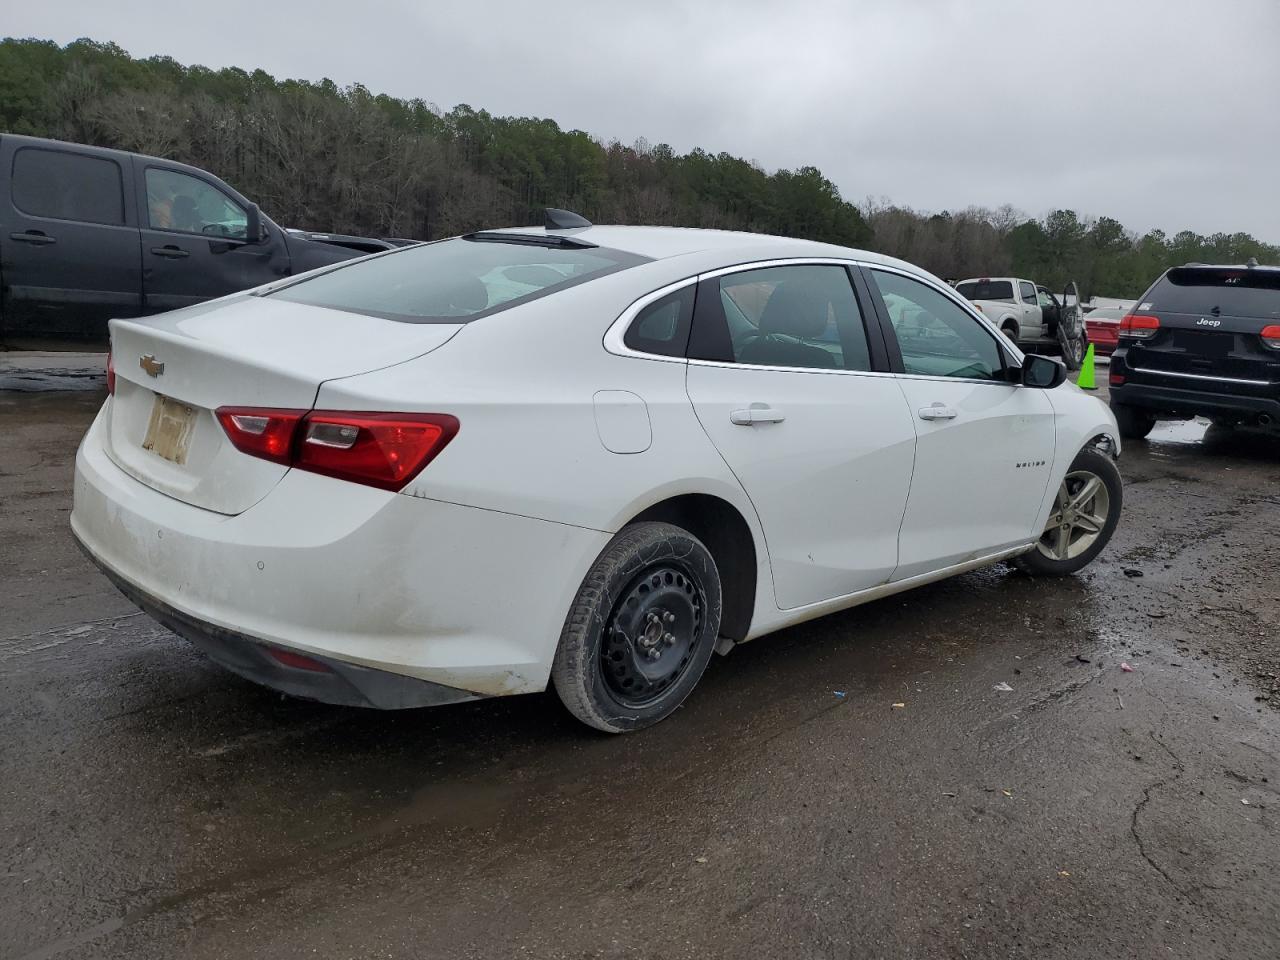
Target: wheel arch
725,531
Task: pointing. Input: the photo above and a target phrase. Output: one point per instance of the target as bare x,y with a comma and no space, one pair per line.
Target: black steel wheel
641,630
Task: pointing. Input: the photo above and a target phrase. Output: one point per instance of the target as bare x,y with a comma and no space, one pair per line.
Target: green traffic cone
1085,380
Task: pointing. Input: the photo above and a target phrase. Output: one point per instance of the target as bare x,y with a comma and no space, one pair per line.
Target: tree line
343,159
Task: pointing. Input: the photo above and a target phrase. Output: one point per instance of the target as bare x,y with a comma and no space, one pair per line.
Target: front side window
458,280
67,186
936,336
793,316
186,204
1028,291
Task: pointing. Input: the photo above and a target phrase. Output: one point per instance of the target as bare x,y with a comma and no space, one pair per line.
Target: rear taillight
111,375
384,450
1139,326
264,432
1115,379
1271,336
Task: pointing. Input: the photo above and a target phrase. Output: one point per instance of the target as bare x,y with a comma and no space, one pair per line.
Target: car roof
660,243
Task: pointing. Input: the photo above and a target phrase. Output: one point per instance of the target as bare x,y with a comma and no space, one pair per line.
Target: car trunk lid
174,371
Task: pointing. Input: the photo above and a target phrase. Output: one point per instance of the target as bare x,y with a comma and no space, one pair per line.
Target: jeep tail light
1115,379
384,450
1139,326
111,375
1271,336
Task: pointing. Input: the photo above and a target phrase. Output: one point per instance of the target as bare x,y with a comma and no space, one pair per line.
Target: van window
67,186
455,281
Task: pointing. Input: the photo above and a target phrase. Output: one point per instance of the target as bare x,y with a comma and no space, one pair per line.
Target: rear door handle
937,411
33,237
170,251
757,413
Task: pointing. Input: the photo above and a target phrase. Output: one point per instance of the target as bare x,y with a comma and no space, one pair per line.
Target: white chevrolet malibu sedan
573,455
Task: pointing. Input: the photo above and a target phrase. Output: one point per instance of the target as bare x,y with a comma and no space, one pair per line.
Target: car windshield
986,290
1234,291
455,281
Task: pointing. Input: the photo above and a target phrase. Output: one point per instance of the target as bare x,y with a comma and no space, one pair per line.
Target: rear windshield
1236,293
455,281
986,290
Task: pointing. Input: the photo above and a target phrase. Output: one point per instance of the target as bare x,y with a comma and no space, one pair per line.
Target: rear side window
455,281
801,316
986,290
67,186
1236,293
662,327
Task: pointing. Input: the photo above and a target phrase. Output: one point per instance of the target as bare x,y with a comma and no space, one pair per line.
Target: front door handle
32,236
170,251
757,413
937,411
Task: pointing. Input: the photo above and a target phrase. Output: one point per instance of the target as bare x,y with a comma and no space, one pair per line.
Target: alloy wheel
1080,513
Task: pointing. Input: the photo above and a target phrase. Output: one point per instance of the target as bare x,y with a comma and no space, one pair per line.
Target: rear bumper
376,585
1103,337
1189,402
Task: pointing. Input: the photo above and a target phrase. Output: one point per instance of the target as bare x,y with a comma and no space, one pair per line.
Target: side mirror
253,227
1043,372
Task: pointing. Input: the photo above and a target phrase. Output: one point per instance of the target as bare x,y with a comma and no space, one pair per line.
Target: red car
1102,327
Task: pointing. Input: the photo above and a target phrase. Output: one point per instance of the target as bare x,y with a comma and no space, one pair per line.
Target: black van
1203,341
87,234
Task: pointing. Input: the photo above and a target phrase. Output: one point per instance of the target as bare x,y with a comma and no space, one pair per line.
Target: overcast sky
1160,113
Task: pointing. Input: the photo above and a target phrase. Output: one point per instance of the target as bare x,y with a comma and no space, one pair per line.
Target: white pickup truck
1029,315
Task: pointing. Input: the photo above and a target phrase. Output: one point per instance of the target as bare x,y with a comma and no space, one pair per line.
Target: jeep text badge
149,363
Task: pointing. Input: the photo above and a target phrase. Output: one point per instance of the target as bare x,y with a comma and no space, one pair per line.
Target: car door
797,399
195,243
984,444
1032,318
68,241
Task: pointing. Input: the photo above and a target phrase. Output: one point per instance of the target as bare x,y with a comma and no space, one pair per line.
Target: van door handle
33,236
757,413
170,251
937,411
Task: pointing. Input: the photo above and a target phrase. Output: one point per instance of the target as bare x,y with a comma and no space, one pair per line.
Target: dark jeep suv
1203,341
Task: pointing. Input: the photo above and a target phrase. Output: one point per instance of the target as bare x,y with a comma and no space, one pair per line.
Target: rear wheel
1010,330
640,631
1134,423
1085,512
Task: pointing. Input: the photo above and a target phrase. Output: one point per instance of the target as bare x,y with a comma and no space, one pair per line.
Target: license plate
169,430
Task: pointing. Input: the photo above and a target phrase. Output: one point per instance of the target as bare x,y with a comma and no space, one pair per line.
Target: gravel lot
152,805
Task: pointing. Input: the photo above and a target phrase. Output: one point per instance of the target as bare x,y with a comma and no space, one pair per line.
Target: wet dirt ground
155,806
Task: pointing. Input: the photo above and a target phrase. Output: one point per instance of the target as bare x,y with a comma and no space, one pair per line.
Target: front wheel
641,629
1085,512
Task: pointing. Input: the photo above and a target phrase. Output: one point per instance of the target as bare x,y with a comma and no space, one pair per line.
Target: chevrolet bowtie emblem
149,363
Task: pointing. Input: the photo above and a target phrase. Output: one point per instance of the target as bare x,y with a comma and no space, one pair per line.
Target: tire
1133,422
1010,330
1067,545
608,669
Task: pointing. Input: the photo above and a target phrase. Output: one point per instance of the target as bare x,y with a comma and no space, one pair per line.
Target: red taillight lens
1271,336
1115,379
384,450
111,375
261,431
1139,326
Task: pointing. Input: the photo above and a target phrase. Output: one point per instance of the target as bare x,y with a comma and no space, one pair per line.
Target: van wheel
1134,423
640,631
1085,512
